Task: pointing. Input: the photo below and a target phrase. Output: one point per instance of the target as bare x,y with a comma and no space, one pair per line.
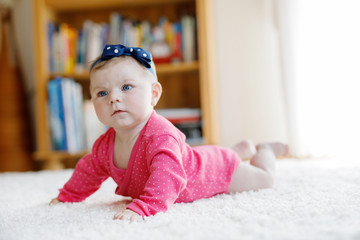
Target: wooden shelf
56,160
189,85
58,155
161,69
175,68
71,5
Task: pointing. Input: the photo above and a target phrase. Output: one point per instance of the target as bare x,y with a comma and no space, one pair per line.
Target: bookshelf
188,84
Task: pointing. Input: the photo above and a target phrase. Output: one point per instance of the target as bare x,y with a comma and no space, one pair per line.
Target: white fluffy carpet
317,199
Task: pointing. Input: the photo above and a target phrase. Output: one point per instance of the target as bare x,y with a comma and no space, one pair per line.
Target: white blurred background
291,68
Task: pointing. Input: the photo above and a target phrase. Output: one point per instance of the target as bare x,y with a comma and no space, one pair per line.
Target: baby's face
124,94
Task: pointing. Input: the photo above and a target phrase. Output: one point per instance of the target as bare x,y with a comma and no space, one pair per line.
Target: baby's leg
245,149
260,172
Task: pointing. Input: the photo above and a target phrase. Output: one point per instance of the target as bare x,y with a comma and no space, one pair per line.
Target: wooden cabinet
185,84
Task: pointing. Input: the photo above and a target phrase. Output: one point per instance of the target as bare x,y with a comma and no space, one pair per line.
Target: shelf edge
161,69
69,5
39,156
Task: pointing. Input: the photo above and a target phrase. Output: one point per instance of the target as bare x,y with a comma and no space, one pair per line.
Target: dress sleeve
167,178
86,179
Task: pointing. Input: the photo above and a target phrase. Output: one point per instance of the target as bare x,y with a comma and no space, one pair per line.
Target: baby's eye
102,93
126,87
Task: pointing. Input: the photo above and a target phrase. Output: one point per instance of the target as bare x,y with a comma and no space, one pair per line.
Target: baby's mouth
117,112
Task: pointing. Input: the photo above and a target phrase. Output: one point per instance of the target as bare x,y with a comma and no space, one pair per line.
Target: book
56,115
146,34
66,115
70,126
180,115
56,51
177,45
50,38
192,131
73,50
78,116
115,26
188,38
81,52
93,42
187,120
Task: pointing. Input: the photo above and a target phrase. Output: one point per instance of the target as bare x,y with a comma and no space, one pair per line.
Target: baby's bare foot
279,149
245,149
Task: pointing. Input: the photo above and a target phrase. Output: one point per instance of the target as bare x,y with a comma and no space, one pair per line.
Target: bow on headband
141,55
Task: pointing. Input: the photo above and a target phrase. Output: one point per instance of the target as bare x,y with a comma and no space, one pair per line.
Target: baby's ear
156,93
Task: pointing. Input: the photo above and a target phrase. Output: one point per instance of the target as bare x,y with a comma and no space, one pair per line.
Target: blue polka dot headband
141,55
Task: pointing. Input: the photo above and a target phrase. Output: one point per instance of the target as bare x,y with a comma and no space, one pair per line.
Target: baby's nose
114,98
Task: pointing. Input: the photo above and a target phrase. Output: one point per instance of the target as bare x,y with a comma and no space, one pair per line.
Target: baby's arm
85,180
166,181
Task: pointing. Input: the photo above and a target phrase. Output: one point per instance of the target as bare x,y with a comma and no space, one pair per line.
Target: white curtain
320,52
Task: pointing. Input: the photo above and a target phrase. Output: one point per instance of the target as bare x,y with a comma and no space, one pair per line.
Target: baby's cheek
101,113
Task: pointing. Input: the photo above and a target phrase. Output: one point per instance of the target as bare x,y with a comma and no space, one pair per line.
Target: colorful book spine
50,39
78,109
66,115
73,50
188,38
187,120
57,115
67,99
115,26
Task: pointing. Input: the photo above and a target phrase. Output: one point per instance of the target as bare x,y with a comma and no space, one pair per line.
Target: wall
251,101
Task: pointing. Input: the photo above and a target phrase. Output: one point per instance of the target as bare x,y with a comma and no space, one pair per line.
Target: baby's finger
54,201
135,218
118,216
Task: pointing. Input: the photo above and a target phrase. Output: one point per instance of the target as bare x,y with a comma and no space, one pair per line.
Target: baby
146,155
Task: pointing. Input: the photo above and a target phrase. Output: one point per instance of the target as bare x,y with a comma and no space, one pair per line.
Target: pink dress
162,169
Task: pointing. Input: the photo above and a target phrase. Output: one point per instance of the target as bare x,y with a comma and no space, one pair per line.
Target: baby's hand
54,201
128,215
